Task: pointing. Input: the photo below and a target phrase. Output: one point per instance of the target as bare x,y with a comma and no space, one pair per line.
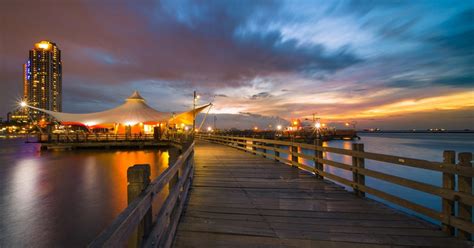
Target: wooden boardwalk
241,200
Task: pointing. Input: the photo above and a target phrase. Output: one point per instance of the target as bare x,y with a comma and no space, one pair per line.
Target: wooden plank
250,202
465,186
254,228
208,239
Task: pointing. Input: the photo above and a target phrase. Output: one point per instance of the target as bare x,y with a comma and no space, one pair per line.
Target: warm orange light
43,45
279,127
347,124
295,122
324,124
462,100
255,128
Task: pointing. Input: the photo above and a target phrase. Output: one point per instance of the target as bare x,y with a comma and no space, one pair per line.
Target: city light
23,104
209,129
295,123
347,124
279,127
129,123
43,45
255,128
317,125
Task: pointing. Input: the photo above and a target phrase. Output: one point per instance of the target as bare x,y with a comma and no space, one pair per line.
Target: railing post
361,165
264,150
253,143
465,186
357,163
318,154
449,157
277,153
174,154
138,177
294,149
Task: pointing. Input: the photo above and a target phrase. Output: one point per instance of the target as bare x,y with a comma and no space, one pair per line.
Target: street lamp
195,97
317,125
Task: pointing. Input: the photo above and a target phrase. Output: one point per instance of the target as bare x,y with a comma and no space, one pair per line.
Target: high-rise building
42,79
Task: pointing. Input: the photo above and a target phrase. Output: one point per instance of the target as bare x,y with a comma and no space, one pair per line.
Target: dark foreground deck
241,200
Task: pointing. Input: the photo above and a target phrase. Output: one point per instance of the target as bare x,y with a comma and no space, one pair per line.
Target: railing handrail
411,162
118,233
449,194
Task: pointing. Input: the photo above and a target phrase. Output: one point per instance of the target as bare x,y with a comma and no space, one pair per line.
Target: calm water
63,199
66,198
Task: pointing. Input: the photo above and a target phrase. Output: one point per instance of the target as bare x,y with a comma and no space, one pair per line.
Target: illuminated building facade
42,78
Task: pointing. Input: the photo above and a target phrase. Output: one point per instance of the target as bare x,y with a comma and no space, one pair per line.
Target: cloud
241,121
261,95
275,58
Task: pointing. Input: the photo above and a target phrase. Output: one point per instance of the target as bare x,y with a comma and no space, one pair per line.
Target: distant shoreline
411,131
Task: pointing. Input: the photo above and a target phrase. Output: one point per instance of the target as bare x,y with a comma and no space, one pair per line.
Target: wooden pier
238,199
106,141
241,200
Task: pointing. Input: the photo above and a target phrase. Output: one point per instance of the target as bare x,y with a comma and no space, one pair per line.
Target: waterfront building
42,79
19,116
134,116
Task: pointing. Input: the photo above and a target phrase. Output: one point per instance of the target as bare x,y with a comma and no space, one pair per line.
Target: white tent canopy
133,111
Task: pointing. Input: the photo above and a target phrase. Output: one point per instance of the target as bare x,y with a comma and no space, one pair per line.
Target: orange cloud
448,102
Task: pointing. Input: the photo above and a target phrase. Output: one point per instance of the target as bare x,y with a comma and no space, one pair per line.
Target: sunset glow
261,60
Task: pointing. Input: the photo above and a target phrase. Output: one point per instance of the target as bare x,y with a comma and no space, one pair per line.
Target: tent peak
135,96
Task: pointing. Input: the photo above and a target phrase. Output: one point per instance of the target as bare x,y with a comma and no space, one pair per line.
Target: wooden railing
134,225
451,196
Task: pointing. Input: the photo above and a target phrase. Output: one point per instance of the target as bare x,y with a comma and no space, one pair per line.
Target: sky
385,64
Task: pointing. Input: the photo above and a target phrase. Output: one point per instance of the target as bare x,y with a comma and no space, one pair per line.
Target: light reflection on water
63,199
66,198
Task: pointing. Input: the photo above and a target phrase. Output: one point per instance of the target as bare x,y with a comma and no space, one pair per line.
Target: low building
134,116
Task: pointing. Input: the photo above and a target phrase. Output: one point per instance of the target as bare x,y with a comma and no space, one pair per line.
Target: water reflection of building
42,78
